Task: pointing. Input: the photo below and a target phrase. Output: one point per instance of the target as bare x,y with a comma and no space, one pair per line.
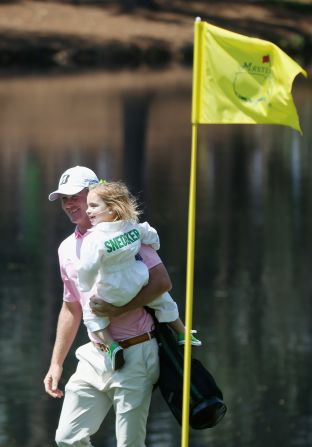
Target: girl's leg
114,350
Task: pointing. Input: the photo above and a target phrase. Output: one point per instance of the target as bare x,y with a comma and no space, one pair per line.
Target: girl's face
97,210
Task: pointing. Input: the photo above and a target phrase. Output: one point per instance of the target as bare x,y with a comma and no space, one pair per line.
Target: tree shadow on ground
185,6
272,26
24,51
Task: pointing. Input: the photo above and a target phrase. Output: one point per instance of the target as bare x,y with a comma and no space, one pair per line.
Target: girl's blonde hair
119,199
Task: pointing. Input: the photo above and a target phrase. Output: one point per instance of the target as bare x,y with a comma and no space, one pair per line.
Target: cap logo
64,179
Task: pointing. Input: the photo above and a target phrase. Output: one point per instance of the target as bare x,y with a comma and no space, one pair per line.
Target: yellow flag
239,79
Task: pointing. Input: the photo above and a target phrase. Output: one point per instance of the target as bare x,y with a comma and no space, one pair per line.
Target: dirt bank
47,35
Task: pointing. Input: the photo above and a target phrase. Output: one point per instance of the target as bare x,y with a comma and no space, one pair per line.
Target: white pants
94,388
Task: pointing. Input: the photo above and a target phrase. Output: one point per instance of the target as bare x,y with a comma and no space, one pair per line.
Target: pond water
253,285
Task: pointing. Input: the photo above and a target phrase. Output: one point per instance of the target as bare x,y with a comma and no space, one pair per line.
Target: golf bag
207,407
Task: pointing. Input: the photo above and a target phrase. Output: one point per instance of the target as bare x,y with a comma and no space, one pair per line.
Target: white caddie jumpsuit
109,267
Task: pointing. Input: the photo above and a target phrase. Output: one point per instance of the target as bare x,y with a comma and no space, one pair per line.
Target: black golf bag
207,407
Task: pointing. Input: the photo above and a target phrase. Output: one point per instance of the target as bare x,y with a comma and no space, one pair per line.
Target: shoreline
59,37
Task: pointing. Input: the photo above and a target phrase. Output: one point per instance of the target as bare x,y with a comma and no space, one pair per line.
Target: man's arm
159,282
67,327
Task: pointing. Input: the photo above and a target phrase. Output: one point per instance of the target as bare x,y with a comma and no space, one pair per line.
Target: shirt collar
78,235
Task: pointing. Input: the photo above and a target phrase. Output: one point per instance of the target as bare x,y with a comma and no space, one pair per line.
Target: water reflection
253,247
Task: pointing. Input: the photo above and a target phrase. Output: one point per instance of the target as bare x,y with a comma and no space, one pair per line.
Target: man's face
75,207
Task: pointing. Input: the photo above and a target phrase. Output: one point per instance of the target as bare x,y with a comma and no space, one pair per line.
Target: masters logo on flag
239,79
253,82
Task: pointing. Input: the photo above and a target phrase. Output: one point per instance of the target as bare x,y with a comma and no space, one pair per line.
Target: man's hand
67,327
51,381
103,309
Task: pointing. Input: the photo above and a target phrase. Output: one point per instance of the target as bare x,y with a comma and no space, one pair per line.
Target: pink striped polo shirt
126,326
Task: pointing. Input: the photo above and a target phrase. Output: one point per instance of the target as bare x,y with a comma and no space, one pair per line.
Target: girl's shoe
115,353
194,340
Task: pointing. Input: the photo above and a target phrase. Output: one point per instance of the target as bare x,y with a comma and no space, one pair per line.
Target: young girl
108,262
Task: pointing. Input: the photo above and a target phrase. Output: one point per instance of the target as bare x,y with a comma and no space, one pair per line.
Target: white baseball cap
73,181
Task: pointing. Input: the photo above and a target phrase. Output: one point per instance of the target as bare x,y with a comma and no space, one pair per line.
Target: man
95,387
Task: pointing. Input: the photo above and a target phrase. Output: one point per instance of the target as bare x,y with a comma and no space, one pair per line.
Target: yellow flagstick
281,111
189,292
190,257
